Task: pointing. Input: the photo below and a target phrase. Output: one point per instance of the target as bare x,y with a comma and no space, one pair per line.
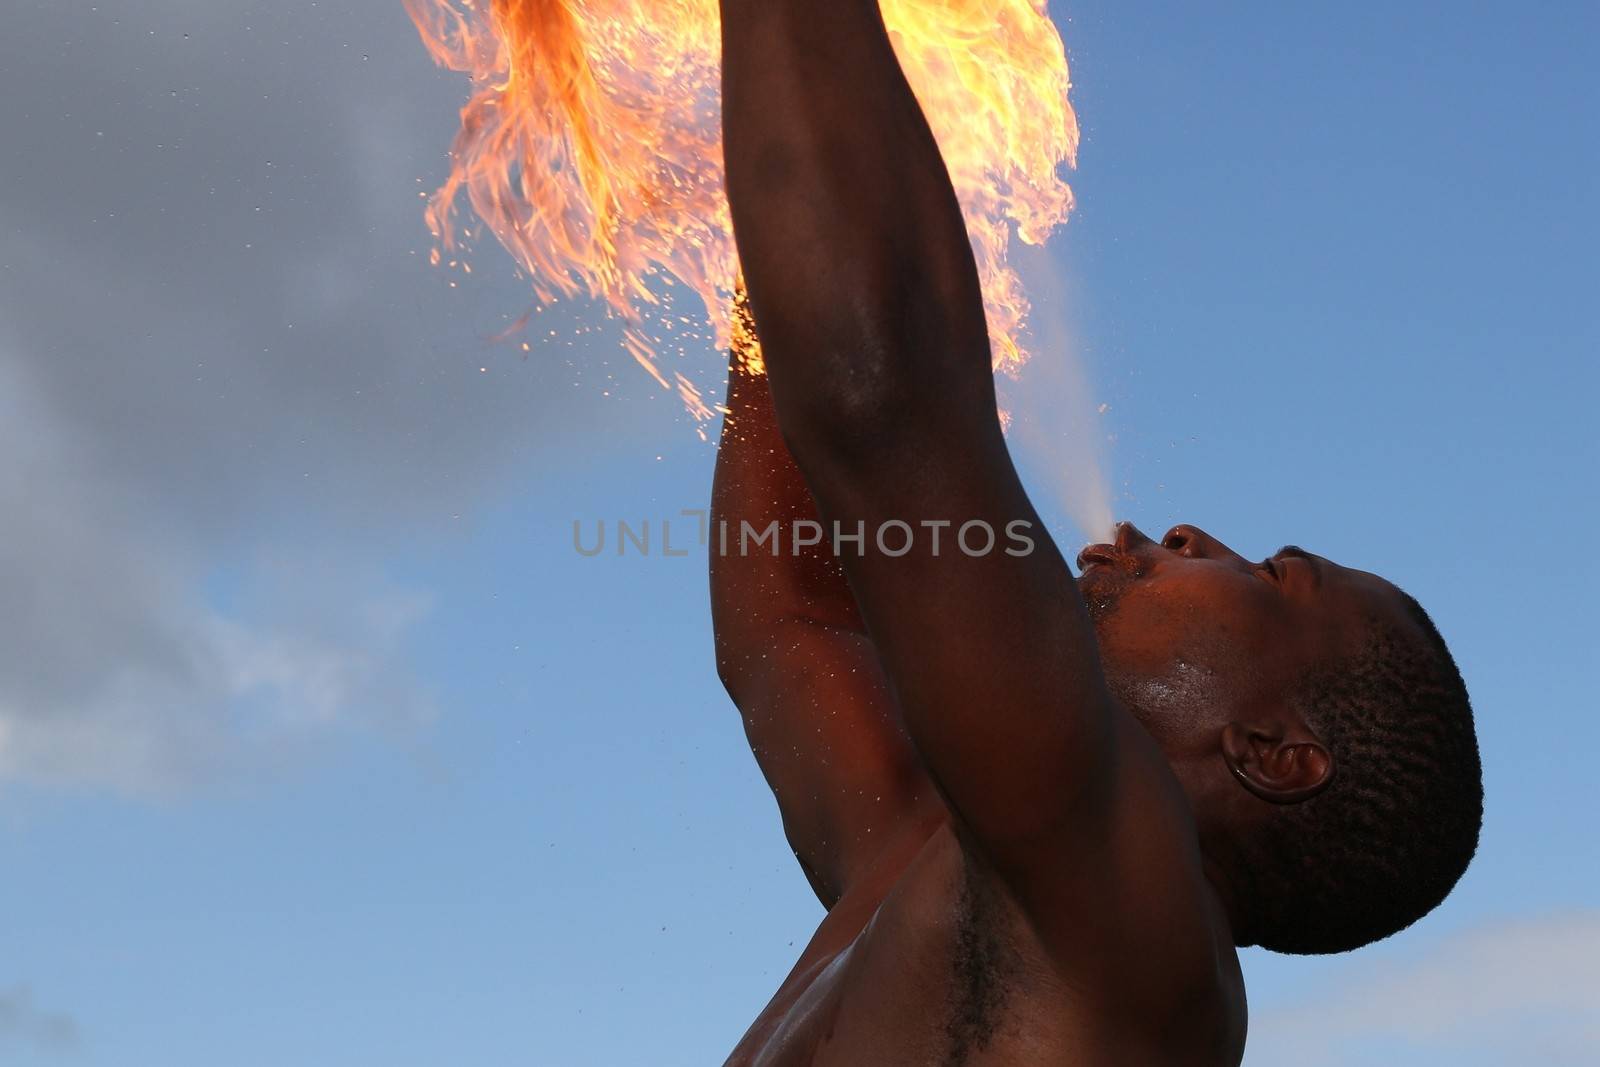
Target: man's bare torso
930,963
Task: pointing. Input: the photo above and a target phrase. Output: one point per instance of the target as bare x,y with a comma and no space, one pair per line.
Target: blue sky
318,742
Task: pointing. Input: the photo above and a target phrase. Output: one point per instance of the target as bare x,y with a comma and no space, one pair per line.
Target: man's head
1316,720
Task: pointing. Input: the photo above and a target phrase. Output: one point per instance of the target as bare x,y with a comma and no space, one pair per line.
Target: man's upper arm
823,729
795,657
1076,814
983,637
993,662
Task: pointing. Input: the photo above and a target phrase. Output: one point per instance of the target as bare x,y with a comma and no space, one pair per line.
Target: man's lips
1097,553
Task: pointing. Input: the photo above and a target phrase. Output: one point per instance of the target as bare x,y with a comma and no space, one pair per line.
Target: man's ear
1279,763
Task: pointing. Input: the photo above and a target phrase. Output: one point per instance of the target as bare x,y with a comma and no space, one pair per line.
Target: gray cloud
230,385
22,1023
1519,991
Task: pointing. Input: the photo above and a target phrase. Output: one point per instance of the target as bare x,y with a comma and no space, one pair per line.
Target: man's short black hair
1390,836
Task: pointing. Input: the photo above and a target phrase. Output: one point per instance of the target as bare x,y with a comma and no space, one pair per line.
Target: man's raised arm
795,656
865,291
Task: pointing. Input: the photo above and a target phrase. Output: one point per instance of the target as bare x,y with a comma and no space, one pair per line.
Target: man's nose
1194,542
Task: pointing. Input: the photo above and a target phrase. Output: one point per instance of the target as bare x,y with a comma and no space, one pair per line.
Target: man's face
1191,633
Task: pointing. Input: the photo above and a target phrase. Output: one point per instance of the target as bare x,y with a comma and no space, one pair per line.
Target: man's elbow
897,355
876,419
843,417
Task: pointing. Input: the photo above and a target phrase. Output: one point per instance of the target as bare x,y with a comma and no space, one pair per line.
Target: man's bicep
989,650
983,637
823,728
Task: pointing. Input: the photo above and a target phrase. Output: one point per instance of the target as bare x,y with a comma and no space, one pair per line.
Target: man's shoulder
1121,908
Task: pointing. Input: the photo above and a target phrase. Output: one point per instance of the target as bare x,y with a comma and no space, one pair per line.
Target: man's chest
941,972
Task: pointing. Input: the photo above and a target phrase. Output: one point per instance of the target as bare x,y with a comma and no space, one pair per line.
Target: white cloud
230,387
1517,991
116,670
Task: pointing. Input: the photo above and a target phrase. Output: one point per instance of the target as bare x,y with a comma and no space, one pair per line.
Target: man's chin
1101,586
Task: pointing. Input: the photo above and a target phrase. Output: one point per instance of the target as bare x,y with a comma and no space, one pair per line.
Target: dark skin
1017,793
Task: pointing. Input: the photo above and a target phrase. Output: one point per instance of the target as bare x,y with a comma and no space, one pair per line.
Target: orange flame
591,145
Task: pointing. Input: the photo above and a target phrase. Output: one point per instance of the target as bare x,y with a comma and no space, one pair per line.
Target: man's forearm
853,245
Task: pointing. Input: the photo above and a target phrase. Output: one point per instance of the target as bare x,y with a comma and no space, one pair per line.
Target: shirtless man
1040,811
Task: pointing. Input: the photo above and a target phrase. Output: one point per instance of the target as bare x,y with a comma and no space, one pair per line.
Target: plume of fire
590,147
